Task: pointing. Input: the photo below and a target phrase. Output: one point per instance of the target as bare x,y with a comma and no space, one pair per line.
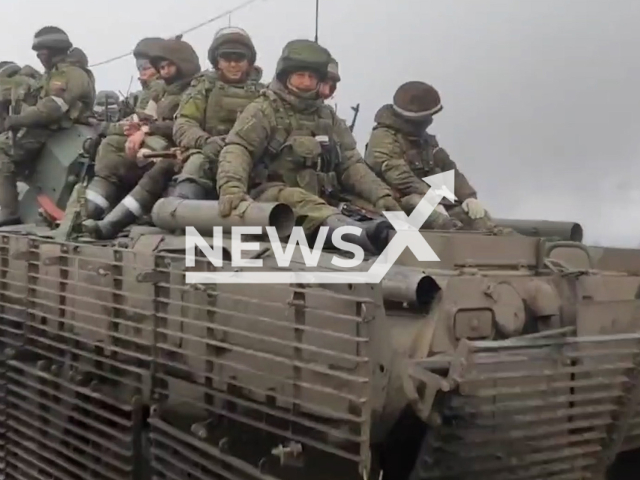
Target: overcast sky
540,97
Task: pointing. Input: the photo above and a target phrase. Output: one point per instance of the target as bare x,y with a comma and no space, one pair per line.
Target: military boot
364,240
9,205
130,209
439,221
99,198
189,190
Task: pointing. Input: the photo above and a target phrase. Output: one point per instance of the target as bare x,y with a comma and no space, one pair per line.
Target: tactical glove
473,208
438,221
230,200
213,147
387,204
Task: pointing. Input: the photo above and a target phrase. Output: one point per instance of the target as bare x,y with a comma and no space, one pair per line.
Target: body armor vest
225,102
303,151
418,153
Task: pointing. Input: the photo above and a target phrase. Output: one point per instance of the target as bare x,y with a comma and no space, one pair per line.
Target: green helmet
8,69
51,38
232,40
107,106
107,95
146,48
300,55
416,100
181,54
333,73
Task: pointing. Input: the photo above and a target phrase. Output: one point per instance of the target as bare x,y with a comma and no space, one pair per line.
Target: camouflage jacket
210,107
277,130
67,95
402,157
146,105
18,91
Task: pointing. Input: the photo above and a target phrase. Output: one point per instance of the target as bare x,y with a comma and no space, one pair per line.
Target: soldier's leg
196,180
114,175
137,203
312,212
15,155
436,221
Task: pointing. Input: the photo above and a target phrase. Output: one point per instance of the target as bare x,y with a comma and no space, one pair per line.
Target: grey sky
540,96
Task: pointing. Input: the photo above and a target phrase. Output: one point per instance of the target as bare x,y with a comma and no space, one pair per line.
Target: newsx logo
407,236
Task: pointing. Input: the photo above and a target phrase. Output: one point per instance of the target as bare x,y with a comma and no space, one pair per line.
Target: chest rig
419,154
302,151
225,102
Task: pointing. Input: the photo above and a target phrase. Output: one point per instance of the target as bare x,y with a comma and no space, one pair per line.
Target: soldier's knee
196,166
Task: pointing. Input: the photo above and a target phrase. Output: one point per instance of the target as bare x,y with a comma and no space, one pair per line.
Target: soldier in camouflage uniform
210,108
177,63
289,147
401,152
107,106
66,97
113,174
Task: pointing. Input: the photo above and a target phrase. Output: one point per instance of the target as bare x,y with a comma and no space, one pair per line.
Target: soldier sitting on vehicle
288,146
210,108
114,175
177,63
18,86
66,97
401,152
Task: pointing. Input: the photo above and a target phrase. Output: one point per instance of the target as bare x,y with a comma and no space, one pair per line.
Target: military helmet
232,40
146,48
104,95
300,55
8,69
52,38
29,71
416,100
333,73
178,52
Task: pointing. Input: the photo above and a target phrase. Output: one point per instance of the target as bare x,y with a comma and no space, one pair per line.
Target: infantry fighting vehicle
513,357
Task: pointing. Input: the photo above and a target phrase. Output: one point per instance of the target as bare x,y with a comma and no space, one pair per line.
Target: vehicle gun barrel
409,285
174,213
571,231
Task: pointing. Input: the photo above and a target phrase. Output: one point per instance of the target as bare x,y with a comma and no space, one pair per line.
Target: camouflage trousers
17,157
309,209
114,166
199,169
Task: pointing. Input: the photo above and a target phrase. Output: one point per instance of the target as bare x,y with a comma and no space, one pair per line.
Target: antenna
317,12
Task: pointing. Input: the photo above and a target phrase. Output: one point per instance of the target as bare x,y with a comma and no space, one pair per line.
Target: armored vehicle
513,357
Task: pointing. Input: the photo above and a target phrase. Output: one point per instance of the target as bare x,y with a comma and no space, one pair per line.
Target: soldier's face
303,81
45,57
327,89
234,66
167,70
146,73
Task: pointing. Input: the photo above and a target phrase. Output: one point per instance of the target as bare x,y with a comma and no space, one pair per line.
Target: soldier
16,84
113,175
329,86
177,63
401,152
210,108
66,97
107,106
289,147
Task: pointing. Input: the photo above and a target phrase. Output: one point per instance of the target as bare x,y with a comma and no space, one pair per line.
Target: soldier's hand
474,208
134,142
213,147
230,202
130,128
387,204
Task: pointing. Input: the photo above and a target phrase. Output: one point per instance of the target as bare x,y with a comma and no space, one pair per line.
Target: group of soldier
236,140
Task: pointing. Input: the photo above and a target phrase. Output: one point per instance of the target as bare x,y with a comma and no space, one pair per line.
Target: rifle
356,111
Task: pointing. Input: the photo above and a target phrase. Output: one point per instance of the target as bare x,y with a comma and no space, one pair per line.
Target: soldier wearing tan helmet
401,152
329,86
